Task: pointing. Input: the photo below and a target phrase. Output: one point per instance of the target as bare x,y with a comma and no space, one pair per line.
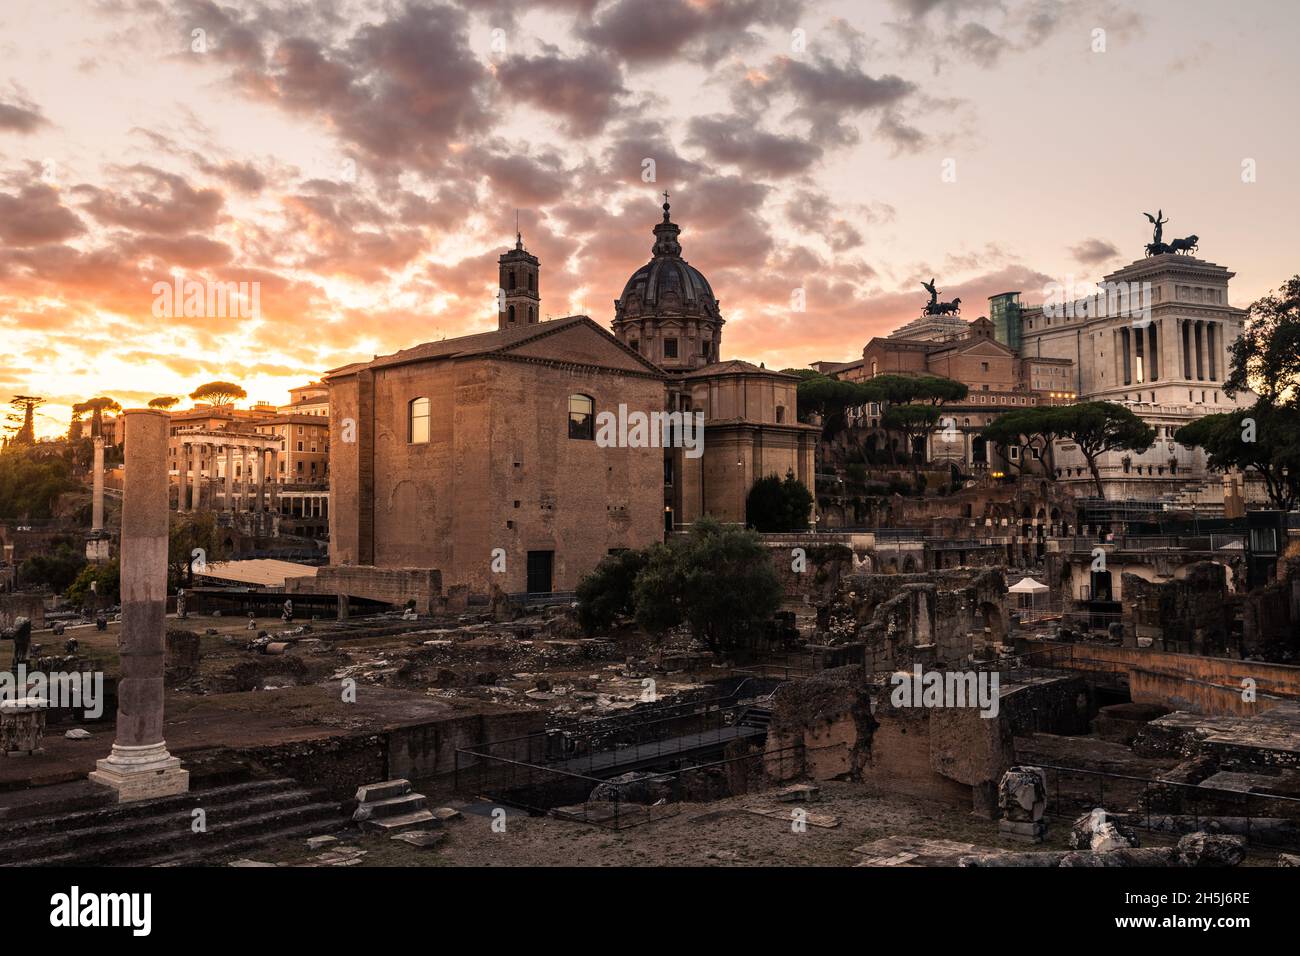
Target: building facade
484,456
1158,340
477,456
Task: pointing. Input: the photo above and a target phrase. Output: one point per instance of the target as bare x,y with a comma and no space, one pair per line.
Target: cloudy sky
363,161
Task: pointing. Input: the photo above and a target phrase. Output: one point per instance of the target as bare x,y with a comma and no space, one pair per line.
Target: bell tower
519,296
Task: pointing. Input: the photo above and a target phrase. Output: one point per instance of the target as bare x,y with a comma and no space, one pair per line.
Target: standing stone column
98,542
196,480
97,503
230,478
140,766
260,455
275,478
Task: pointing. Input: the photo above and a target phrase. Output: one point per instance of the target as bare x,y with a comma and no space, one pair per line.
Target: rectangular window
582,417
417,428
670,348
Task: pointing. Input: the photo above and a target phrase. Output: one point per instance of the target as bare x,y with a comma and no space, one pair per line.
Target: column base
142,773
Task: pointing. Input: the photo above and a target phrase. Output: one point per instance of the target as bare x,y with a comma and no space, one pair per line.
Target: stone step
101,816
239,845
373,792
409,821
392,807
161,844
92,833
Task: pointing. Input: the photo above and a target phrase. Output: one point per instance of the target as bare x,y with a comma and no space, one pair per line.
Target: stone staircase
1206,497
392,807
758,716
238,816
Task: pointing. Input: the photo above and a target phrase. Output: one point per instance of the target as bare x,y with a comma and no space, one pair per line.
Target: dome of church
667,285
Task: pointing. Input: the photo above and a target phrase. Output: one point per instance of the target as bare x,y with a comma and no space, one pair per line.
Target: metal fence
617,805
1172,808
1157,542
534,599
566,770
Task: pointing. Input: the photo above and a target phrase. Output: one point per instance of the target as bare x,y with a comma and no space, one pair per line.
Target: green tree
1027,428
187,533
1266,356
894,391
609,590
1264,439
97,407
107,580
774,506
1099,427
718,579
31,482
828,397
912,422
55,569
219,393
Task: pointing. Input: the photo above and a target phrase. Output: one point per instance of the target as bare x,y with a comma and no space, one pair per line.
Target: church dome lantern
667,310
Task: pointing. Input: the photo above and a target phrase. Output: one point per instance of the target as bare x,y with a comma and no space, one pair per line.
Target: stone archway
992,621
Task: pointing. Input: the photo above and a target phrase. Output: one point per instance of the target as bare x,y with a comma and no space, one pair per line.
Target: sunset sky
363,161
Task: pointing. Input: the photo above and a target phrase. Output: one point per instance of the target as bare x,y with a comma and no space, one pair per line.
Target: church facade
480,456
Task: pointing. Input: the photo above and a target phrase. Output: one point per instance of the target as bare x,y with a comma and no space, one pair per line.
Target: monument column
275,478
139,766
1198,337
1153,353
260,455
182,475
230,478
97,503
196,489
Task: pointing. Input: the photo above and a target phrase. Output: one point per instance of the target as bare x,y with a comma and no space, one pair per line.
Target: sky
360,164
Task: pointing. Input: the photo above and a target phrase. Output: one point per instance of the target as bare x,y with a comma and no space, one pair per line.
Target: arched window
511,312
532,282
417,421
780,414
582,417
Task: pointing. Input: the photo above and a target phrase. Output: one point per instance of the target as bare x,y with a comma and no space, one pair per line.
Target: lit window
417,429
582,418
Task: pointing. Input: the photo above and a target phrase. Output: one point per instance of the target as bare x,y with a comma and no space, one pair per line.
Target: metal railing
616,805
1157,542
1171,807
536,598
568,764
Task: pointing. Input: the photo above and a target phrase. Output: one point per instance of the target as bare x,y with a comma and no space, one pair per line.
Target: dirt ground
720,833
